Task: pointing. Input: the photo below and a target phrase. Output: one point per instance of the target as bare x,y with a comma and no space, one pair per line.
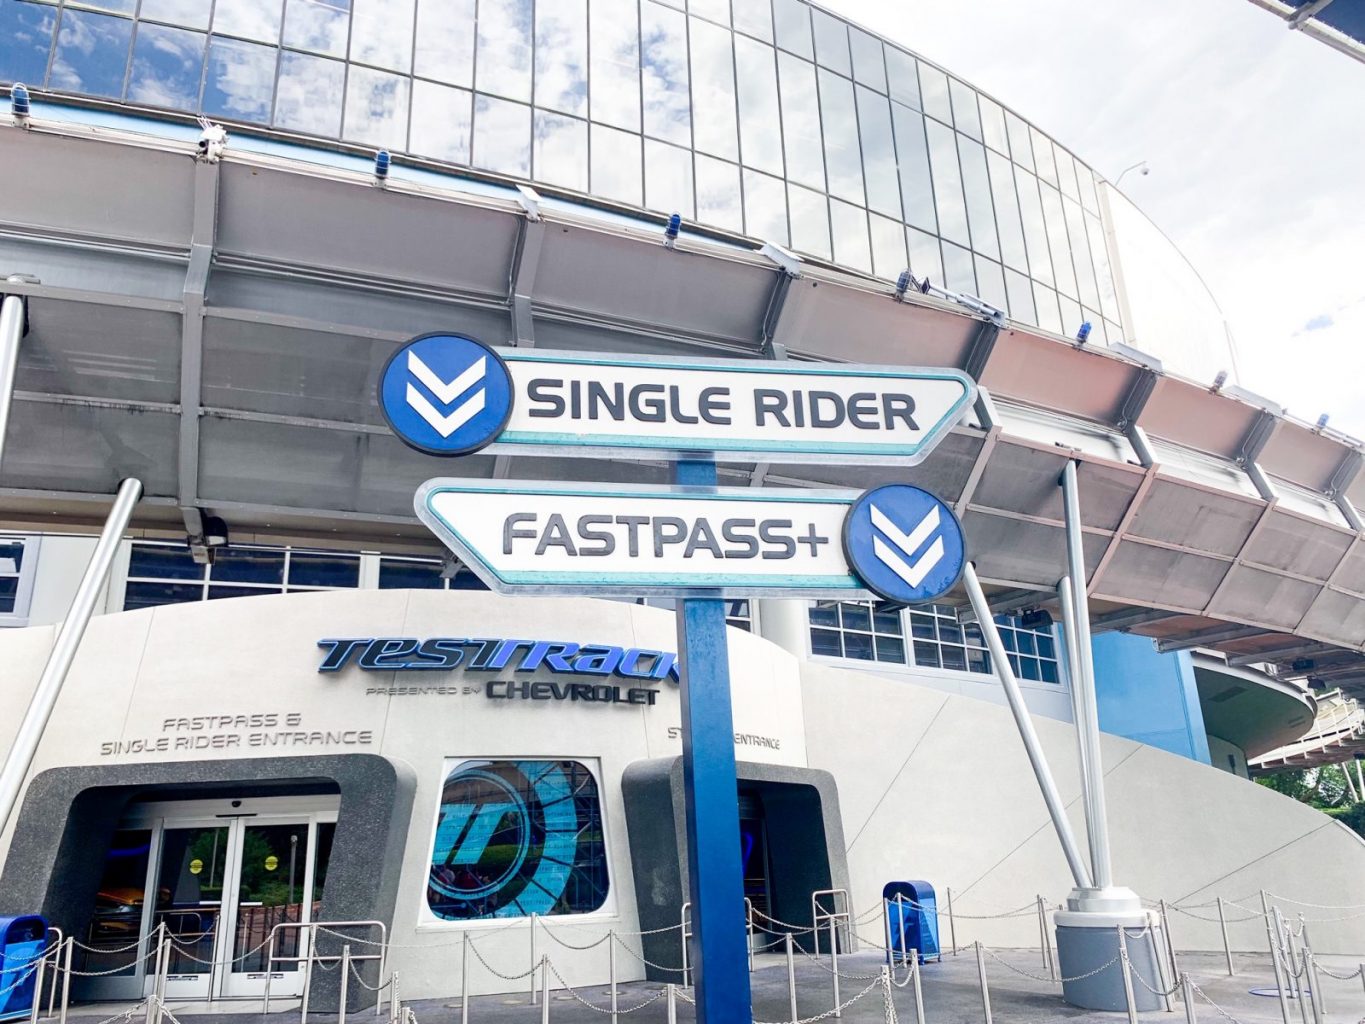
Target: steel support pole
64,649
715,875
11,331
1089,727
1055,808
1067,602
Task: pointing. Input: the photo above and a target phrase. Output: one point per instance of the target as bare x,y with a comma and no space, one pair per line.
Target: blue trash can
913,920
22,942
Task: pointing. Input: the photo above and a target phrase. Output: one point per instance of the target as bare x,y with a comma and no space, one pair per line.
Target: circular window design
515,838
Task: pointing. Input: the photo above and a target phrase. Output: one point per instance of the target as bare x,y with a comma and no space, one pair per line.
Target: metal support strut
715,880
1041,772
64,650
11,330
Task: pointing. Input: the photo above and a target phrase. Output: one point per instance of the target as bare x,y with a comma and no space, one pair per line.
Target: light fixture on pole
1141,167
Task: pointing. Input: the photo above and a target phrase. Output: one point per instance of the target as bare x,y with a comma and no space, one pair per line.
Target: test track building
227,754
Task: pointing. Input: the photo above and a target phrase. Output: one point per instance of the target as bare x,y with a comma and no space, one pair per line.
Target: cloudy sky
1254,138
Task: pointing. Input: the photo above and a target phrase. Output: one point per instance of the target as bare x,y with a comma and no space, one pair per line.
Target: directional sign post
450,395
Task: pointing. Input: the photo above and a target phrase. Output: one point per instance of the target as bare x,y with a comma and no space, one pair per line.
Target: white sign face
781,411
536,537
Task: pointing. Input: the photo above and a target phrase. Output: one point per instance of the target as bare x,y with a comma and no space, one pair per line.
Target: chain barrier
608,1011
831,1012
183,951
1204,996
1029,909
355,973
570,945
795,929
649,963
828,969
1357,973
505,977
96,949
1045,980
1133,972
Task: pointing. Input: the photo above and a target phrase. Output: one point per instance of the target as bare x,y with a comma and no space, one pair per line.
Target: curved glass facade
767,117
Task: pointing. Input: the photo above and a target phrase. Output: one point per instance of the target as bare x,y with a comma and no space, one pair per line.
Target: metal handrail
818,914
308,939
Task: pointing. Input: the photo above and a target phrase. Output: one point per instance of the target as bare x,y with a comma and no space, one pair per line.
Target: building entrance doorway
222,876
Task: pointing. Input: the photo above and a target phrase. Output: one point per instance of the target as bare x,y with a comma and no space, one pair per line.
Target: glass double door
222,877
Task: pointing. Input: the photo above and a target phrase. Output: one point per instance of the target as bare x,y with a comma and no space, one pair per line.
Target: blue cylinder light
674,226
382,160
903,282
18,100
1083,335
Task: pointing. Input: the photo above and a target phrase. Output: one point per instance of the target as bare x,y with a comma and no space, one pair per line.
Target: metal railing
307,932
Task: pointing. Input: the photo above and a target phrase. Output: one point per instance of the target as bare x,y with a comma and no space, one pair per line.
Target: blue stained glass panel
25,41
167,66
241,80
92,53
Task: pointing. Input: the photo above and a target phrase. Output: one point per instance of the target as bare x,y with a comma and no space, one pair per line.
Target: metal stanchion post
1292,955
791,977
686,952
38,986
672,1003
834,965
1170,940
544,990
886,930
534,961
1302,973
1227,946
1160,968
464,978
1274,956
1044,946
395,1006
164,976
919,990
952,925
900,918
981,973
1187,996
345,982
156,974
66,980
1315,993
611,970
749,930
307,975
1125,967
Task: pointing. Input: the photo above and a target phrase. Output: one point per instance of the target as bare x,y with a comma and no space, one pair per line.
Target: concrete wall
938,787
1227,756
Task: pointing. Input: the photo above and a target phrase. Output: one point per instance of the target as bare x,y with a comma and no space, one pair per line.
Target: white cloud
1251,132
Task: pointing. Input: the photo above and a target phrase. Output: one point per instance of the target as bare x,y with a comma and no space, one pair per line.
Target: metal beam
1120,531
1240,559
980,349
1250,450
1209,637
202,241
521,275
1302,649
13,327
1342,479
1130,617
983,458
1308,10
770,333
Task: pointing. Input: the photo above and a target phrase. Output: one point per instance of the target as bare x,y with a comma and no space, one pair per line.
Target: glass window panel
614,62
445,41
92,53
316,569
617,165
562,56
248,565
718,194
318,25
903,77
888,247
1049,672
825,642
831,42
189,13
517,838
809,221
926,655
925,260
1045,646
1055,219
1080,253
309,94
801,132
976,185
868,66
222,593
1066,174
971,632
395,574
791,27
559,150
922,626
964,108
143,594
917,190
663,71
955,658
1045,301
1042,156
1035,229
442,121
25,41
843,157
1024,642
1006,634
978,661
849,227
1021,149
167,65
1020,294
891,649
886,619
990,283
668,179
858,646
959,273
760,123
878,153
376,108
1099,253
933,87
502,136
381,33
855,616
949,631
993,125
1113,331
952,209
1096,325
713,92
716,10
754,17
1071,315
1030,669
504,51
1007,220
824,613
765,207
161,561
258,20
1089,197
240,82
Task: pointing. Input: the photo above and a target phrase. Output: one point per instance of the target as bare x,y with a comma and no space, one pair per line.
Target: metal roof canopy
1338,23
218,331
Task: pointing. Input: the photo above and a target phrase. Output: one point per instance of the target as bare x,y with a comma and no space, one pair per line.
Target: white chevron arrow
446,424
912,570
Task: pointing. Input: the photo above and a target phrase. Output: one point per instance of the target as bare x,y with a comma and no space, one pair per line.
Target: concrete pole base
1086,941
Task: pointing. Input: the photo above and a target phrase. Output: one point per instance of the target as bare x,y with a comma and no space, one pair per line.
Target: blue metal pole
715,875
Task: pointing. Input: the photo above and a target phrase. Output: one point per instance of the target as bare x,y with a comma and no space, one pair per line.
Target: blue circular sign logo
445,394
904,544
